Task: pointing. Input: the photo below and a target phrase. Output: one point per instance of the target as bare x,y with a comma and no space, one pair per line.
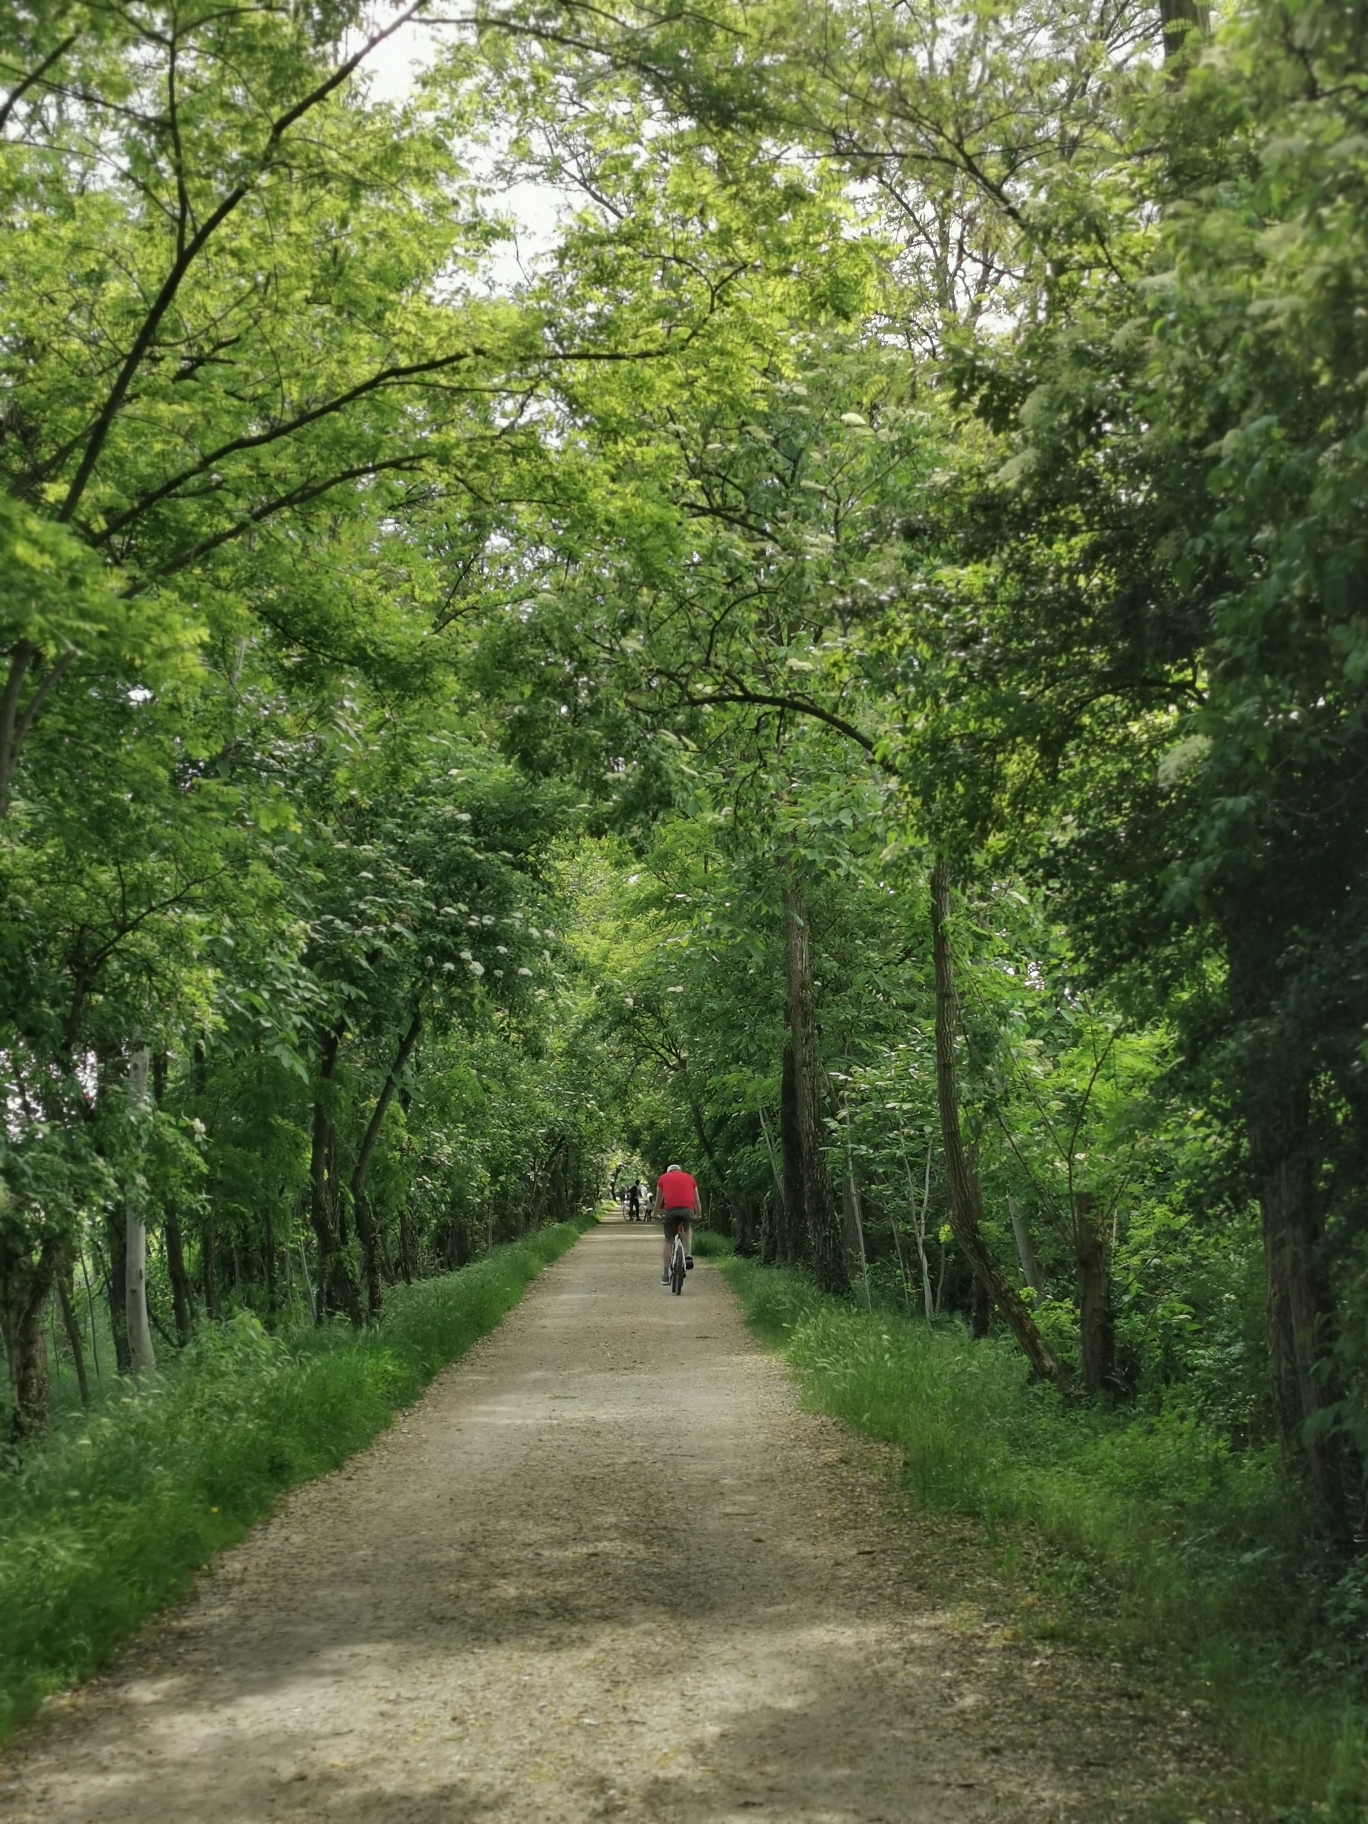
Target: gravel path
606,1567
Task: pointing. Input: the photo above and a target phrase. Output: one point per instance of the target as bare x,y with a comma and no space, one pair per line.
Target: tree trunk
209,1264
854,1225
65,1281
1030,1270
919,1215
966,1202
457,1249
115,1284
365,1226
1300,1301
199,1084
1097,1322
90,1315
314,1314
819,1205
143,1359
1177,18
792,1201
336,1273
745,1227
182,1292
408,1250
269,1259
980,1310
28,1284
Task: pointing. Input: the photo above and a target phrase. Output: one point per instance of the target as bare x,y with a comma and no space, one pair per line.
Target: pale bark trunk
1026,1254
854,1226
823,1226
966,1205
919,1229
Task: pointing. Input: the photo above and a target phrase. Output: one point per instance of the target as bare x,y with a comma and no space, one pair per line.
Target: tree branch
34,76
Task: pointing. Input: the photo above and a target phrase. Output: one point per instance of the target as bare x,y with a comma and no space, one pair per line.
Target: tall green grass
1145,1537
110,1519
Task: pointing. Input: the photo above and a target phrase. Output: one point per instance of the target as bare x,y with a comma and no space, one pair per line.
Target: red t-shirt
676,1191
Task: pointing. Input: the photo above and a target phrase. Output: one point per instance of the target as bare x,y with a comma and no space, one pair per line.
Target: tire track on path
605,1568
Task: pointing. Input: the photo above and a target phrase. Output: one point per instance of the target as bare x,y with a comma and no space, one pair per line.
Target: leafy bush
112,1518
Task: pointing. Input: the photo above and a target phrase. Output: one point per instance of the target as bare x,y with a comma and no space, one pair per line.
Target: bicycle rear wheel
677,1270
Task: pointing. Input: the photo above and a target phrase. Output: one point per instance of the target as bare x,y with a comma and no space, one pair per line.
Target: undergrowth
1147,1538
112,1517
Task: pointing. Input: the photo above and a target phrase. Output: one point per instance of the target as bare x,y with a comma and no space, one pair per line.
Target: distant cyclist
676,1202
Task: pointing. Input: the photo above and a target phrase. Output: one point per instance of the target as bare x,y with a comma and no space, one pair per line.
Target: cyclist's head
674,1168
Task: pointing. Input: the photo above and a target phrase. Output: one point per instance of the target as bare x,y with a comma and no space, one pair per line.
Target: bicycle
678,1264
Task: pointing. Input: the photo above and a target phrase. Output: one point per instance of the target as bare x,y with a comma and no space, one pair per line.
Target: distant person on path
676,1201
634,1202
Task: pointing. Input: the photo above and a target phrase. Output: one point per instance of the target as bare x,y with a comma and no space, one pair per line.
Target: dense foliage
848,665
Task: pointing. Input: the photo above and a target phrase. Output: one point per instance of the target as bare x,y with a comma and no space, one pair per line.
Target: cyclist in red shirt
676,1200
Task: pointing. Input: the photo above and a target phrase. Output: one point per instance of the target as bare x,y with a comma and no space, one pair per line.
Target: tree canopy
849,665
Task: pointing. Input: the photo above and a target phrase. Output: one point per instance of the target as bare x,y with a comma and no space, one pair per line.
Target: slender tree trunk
744,1226
966,1203
336,1274
269,1261
142,1356
919,1211
980,1310
408,1252
209,1264
308,1283
1299,1298
199,1084
115,1286
90,1315
65,1281
1097,1323
1030,1269
182,1292
791,1205
854,1225
365,1226
819,1205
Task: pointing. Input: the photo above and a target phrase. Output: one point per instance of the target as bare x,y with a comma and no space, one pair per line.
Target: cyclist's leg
667,1238
688,1246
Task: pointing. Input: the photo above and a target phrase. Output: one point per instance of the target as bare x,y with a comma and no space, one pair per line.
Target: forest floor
605,1567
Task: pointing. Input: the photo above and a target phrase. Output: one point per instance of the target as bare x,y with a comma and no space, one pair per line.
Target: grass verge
111,1519
1145,1538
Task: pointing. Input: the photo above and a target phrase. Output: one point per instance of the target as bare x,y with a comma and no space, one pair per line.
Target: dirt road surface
606,1568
